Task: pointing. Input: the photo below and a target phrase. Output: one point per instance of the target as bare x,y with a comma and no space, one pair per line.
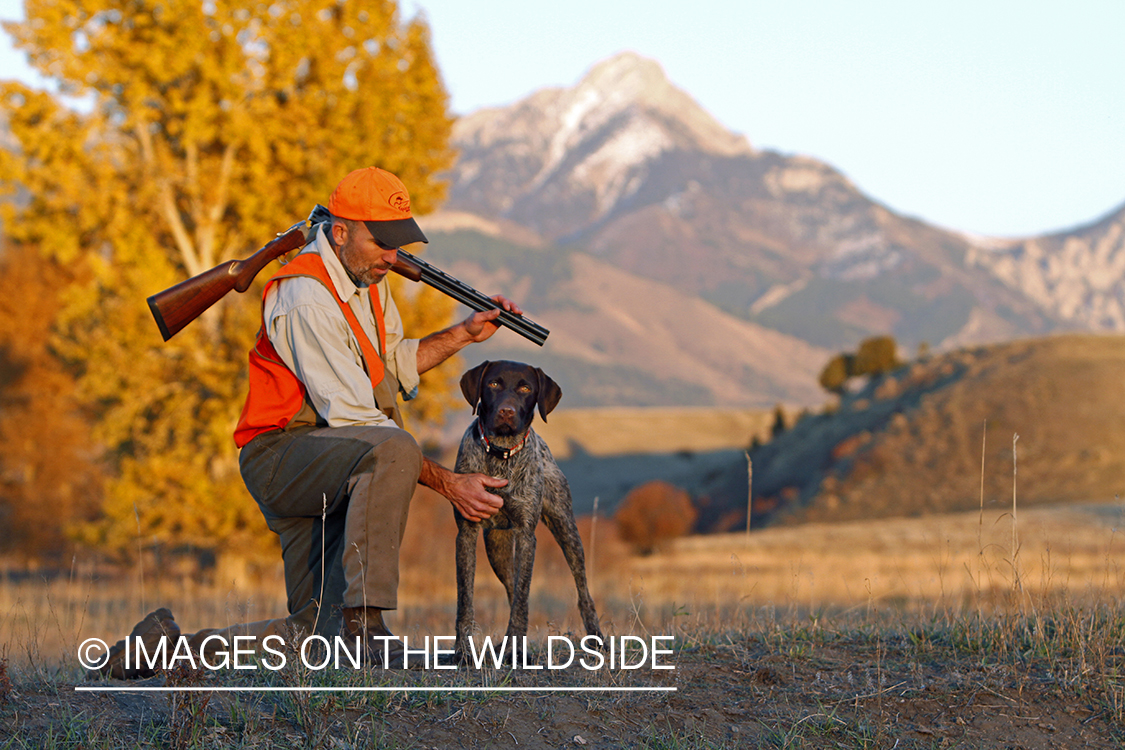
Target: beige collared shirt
313,339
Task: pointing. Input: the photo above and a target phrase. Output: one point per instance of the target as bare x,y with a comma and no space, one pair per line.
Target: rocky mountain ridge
1077,275
628,168
596,135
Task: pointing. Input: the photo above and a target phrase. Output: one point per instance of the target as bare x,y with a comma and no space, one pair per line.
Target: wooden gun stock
177,306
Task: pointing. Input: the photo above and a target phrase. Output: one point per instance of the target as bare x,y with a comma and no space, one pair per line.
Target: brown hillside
911,443
618,339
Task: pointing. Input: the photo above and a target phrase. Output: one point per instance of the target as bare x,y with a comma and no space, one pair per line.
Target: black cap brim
397,232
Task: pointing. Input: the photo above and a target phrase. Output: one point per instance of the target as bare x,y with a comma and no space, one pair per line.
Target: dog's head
504,395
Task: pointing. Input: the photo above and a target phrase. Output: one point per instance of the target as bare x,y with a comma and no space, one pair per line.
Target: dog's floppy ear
471,383
549,394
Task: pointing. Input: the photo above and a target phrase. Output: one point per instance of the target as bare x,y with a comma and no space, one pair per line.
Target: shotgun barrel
416,269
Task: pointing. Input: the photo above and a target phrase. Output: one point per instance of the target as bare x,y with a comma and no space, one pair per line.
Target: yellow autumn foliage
201,130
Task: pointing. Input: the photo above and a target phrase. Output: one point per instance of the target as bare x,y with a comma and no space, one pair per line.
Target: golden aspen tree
201,130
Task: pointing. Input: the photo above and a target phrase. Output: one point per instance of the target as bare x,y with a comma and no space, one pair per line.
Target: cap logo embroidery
400,202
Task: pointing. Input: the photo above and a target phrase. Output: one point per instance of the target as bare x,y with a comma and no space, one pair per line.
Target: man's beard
362,276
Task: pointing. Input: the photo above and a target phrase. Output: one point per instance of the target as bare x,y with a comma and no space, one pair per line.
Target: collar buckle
496,451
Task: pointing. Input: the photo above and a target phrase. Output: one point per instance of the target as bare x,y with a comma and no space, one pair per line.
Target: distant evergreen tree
778,425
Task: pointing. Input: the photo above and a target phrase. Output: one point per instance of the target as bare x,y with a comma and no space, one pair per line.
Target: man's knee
401,450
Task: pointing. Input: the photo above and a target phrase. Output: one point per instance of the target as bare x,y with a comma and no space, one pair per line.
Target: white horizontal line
315,689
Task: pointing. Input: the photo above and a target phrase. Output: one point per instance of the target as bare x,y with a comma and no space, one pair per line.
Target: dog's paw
595,639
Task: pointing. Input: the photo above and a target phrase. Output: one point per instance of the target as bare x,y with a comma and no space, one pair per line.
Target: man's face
365,258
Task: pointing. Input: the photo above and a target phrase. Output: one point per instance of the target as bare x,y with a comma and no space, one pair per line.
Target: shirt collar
345,287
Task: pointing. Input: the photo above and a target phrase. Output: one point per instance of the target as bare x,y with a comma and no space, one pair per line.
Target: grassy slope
911,443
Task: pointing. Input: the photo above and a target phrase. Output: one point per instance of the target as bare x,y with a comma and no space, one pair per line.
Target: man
323,451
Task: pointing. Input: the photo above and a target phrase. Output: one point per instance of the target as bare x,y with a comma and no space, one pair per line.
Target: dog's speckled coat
505,396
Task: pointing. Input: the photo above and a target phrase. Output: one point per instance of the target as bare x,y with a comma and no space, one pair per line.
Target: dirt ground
932,651
786,690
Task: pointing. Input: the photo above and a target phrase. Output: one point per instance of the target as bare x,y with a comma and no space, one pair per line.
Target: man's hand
481,325
470,497
468,492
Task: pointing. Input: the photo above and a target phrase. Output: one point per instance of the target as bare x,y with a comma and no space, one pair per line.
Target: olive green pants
338,498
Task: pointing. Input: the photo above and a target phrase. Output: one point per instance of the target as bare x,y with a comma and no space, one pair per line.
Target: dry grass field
932,563
616,431
928,632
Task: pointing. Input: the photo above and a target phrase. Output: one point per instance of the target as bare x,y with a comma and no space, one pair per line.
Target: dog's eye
524,389
494,384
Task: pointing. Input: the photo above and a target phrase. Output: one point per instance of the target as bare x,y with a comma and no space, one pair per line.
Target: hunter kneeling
321,435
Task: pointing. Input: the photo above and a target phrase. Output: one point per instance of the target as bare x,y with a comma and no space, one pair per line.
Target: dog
501,443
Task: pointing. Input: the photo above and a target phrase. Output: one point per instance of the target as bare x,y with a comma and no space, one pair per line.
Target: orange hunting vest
276,395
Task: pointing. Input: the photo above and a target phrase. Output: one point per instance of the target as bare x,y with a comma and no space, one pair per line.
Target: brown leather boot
378,642
155,626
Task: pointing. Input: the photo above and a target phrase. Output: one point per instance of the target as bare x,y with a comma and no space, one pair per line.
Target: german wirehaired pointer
501,443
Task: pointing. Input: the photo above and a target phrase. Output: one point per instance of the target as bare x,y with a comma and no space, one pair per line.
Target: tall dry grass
953,566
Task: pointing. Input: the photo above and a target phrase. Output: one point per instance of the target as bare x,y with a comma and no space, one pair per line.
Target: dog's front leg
466,572
521,585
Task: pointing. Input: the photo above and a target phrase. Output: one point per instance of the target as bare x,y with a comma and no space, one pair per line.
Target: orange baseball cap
378,199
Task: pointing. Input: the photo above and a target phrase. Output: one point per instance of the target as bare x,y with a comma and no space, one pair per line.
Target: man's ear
471,382
549,394
339,232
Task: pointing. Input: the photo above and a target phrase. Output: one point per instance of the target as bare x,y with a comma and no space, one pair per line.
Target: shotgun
179,305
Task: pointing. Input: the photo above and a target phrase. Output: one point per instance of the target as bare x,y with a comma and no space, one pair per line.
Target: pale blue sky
1002,117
